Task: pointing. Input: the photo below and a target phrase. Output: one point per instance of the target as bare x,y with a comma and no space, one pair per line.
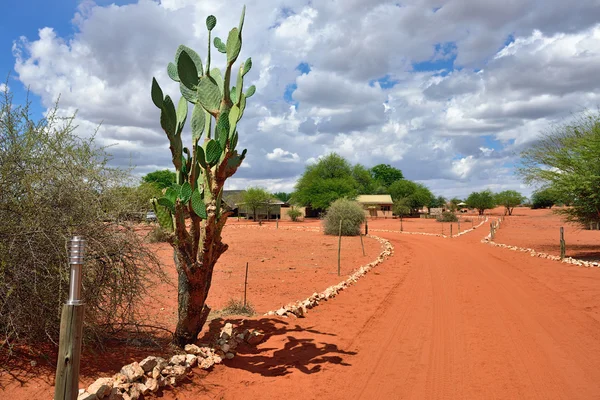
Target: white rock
101,387
191,360
132,371
87,396
178,359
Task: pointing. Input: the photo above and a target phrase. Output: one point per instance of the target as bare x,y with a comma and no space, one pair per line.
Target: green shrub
447,216
349,212
294,214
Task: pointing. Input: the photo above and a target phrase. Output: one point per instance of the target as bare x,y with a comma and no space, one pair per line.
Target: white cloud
452,129
281,155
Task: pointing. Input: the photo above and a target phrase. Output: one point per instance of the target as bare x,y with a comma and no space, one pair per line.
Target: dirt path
442,319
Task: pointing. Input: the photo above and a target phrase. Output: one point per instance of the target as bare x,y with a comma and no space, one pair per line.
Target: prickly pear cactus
217,109
209,157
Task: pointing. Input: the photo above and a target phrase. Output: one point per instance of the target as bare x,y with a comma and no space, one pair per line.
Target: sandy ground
441,319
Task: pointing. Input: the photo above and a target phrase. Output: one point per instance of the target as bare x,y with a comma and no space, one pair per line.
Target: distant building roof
375,199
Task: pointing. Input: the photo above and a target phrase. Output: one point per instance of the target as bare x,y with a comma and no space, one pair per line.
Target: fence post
340,248
277,221
71,328
362,245
245,283
366,226
492,230
459,226
563,247
401,226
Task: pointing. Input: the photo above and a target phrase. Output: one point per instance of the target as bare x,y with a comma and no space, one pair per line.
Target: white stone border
568,260
301,307
432,234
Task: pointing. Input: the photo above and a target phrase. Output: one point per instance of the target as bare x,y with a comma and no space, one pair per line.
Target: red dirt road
441,319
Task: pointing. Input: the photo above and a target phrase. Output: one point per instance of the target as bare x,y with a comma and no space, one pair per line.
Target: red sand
441,319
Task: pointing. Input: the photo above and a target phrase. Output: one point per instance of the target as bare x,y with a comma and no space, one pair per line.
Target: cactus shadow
286,348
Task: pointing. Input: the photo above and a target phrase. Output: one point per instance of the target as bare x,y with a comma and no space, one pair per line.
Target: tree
283,196
509,199
543,198
55,184
401,189
454,202
163,178
364,180
437,202
324,182
415,194
255,198
402,208
201,169
385,174
482,201
566,160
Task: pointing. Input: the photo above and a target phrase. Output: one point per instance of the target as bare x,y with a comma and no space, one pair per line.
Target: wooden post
450,230
401,225
277,221
69,353
492,230
459,226
366,226
340,248
563,247
245,283
362,245
442,228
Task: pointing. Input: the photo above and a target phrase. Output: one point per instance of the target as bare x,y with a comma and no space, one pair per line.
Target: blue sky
448,91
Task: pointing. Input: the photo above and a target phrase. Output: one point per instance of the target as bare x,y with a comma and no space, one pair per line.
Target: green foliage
484,200
385,174
56,184
414,194
294,214
163,178
402,207
324,182
543,198
566,160
447,216
437,202
454,202
255,198
285,197
509,199
349,212
364,179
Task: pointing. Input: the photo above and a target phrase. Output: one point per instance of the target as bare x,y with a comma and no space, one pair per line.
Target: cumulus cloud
447,91
281,155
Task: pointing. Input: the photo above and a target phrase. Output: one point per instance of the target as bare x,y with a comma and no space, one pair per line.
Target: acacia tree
482,201
201,169
162,178
509,199
385,174
566,160
254,198
324,182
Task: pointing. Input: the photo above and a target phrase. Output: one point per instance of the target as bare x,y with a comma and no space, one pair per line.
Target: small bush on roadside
237,307
349,212
447,216
157,235
294,214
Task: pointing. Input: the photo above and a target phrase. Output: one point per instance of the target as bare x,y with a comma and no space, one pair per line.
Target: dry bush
157,235
237,307
447,216
349,212
54,185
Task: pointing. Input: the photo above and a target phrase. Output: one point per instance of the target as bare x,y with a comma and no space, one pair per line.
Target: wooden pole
450,230
277,221
563,247
245,283
340,249
362,245
366,226
401,224
69,353
459,226
492,230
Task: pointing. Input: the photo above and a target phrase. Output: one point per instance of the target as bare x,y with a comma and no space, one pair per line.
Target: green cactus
202,168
